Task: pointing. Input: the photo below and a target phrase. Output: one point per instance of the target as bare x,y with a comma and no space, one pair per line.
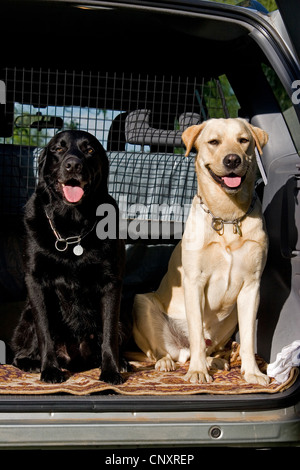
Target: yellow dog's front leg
247,304
194,305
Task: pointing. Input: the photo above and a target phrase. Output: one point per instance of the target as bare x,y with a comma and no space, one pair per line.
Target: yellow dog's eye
243,140
214,142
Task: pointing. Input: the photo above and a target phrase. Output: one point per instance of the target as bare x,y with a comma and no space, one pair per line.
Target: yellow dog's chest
225,277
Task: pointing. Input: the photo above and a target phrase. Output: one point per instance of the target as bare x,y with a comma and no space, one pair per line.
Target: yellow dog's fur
213,278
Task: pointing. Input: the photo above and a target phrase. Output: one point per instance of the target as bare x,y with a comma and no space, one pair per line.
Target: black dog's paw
53,375
27,364
125,366
111,377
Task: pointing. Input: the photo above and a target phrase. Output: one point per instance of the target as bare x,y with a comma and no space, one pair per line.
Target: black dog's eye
90,150
57,149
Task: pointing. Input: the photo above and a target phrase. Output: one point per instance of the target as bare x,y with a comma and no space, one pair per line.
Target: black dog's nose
73,164
232,161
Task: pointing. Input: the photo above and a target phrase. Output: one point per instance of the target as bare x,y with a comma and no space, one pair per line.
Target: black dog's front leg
50,371
110,341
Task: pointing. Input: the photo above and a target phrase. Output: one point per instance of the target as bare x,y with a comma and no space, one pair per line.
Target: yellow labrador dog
213,278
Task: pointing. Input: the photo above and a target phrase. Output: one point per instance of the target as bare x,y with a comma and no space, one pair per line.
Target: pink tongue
73,193
232,181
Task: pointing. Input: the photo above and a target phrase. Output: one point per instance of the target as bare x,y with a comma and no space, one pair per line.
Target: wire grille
39,103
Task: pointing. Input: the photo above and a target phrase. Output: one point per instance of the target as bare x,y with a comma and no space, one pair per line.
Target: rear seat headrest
138,130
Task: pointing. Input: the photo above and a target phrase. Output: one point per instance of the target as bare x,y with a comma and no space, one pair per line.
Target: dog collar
218,223
61,244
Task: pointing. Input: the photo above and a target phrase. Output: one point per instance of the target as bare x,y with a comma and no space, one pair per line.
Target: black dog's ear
101,168
41,163
42,185
104,165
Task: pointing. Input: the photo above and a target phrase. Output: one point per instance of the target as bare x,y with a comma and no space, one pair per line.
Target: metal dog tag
78,250
237,228
61,244
218,225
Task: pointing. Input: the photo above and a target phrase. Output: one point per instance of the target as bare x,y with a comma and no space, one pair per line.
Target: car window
285,104
42,103
263,6
212,99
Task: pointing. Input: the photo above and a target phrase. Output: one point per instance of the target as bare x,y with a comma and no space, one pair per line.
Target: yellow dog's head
226,150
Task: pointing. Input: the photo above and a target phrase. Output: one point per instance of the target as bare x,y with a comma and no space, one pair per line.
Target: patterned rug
144,380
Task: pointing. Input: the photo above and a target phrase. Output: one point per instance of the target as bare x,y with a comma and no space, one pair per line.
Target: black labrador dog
74,279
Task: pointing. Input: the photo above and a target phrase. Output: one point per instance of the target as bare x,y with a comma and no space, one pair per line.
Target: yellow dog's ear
190,135
260,137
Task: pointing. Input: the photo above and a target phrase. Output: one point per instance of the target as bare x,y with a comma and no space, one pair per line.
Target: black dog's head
73,165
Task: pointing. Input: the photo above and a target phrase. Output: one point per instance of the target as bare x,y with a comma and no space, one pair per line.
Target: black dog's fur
71,319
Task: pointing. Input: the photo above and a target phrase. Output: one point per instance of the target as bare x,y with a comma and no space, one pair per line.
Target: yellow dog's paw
197,376
217,363
257,378
165,364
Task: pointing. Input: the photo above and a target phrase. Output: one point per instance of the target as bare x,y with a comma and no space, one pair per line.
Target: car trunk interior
90,67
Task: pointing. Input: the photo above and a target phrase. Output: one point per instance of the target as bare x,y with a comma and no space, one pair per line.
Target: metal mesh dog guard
138,119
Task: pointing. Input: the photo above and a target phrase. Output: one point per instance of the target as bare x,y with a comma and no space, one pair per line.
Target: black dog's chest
77,303
52,266
72,282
